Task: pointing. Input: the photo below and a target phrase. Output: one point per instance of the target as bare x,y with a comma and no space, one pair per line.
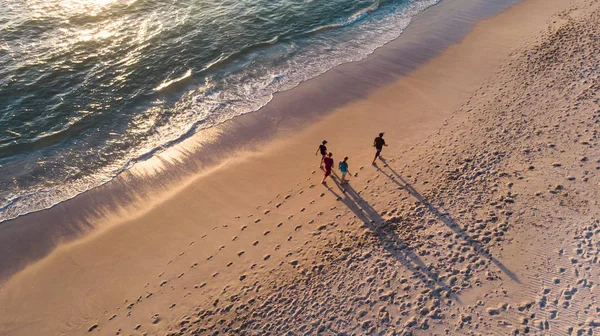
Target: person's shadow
445,218
385,232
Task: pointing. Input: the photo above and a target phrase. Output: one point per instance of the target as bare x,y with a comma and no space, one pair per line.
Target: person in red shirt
328,160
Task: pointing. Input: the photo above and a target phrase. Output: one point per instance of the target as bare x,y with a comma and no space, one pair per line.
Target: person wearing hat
378,143
323,149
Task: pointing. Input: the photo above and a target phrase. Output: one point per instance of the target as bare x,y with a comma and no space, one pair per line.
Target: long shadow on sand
384,231
445,218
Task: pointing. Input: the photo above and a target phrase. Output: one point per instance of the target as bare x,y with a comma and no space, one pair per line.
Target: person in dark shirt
328,160
378,143
323,149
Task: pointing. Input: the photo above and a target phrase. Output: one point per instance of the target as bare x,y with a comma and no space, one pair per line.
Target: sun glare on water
68,8
93,5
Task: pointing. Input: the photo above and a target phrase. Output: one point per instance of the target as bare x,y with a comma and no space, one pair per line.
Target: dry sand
482,219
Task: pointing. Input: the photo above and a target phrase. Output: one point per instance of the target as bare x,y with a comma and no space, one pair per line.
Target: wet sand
482,218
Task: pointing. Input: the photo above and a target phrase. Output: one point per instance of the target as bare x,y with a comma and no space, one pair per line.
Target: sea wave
170,82
357,16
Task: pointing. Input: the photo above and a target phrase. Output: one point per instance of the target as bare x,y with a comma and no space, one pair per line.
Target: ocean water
88,87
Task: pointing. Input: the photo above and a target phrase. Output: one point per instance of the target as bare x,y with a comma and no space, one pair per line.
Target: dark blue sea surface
87,87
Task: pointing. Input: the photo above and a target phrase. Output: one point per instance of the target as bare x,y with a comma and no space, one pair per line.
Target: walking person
344,170
323,149
378,143
328,160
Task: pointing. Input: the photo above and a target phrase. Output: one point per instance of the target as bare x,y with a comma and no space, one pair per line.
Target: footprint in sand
297,227
493,311
266,233
255,243
265,258
240,253
279,225
229,263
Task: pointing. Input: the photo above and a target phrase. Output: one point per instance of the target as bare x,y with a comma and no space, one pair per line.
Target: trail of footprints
422,250
278,204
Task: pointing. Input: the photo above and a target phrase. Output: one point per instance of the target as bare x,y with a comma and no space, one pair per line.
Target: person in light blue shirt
344,170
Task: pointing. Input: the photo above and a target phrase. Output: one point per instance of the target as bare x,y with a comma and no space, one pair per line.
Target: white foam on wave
168,83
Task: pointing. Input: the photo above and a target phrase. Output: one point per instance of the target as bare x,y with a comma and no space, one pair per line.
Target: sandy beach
482,218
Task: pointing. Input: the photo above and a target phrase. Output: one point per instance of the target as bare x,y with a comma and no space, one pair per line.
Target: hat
381,134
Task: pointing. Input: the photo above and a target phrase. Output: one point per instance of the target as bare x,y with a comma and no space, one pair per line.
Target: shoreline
261,223
286,113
